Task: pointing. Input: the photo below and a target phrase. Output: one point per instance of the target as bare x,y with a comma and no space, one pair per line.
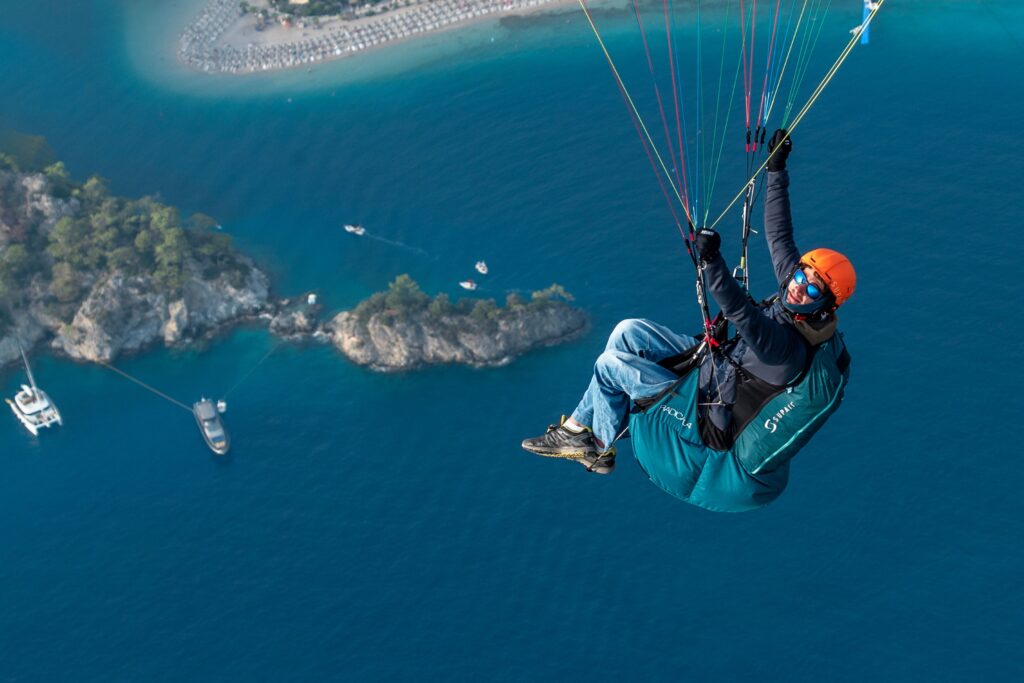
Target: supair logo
772,422
677,415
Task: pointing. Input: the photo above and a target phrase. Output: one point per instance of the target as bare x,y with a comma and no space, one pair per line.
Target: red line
650,157
657,90
743,59
679,127
768,64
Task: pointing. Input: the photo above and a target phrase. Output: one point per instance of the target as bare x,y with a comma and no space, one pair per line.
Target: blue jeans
628,369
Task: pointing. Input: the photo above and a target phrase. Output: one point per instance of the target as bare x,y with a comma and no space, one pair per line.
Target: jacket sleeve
778,225
770,340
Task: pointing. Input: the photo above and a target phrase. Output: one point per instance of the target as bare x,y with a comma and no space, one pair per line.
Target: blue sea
372,527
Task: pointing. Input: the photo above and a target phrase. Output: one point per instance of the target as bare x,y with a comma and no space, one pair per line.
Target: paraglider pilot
773,344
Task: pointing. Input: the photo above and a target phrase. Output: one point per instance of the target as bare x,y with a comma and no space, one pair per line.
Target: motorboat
32,406
481,267
468,284
208,418
355,229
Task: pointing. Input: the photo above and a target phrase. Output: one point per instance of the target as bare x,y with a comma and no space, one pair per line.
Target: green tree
404,295
485,310
145,243
15,262
69,241
170,258
215,246
440,306
369,306
66,284
58,179
94,191
163,218
124,259
15,265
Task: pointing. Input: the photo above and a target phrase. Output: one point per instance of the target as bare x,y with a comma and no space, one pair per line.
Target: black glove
708,243
777,160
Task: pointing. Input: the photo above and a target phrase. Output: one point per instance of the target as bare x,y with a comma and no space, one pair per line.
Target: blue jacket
770,347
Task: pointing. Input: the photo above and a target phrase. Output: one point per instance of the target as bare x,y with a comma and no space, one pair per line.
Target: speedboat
32,406
208,418
468,284
481,267
355,229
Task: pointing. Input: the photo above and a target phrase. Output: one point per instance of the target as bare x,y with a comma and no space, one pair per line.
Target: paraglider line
657,90
803,112
636,113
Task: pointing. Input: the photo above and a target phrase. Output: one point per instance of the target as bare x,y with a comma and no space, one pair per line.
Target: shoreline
222,41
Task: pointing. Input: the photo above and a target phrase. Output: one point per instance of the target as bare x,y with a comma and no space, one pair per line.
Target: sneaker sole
558,453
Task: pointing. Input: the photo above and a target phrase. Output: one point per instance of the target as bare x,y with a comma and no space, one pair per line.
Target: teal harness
754,469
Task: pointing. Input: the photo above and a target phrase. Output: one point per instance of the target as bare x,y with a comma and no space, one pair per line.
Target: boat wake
400,245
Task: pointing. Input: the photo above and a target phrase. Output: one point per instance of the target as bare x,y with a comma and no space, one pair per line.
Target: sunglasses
813,290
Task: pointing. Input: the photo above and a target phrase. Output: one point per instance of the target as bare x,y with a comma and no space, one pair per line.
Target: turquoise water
387,527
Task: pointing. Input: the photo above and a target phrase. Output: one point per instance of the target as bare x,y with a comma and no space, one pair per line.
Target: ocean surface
372,527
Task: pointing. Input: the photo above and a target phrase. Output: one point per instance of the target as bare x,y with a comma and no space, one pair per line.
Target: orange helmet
835,269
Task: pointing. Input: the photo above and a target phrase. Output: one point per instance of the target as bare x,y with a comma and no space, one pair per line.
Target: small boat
210,425
355,229
468,284
481,267
32,406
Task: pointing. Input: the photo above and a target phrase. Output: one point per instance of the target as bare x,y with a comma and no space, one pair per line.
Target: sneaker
559,442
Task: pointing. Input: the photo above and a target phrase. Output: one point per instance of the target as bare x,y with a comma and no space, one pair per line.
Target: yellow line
636,112
785,63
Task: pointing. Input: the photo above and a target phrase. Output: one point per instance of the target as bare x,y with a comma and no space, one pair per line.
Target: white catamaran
32,406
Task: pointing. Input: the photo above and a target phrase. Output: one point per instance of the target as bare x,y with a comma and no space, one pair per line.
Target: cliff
127,313
472,332
98,275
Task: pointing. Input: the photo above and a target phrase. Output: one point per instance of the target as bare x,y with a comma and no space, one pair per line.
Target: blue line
865,27
679,95
698,142
773,79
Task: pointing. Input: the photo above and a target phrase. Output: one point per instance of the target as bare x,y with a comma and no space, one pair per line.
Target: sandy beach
220,39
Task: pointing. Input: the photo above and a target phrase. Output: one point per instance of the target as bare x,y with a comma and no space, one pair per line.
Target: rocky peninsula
403,328
95,276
